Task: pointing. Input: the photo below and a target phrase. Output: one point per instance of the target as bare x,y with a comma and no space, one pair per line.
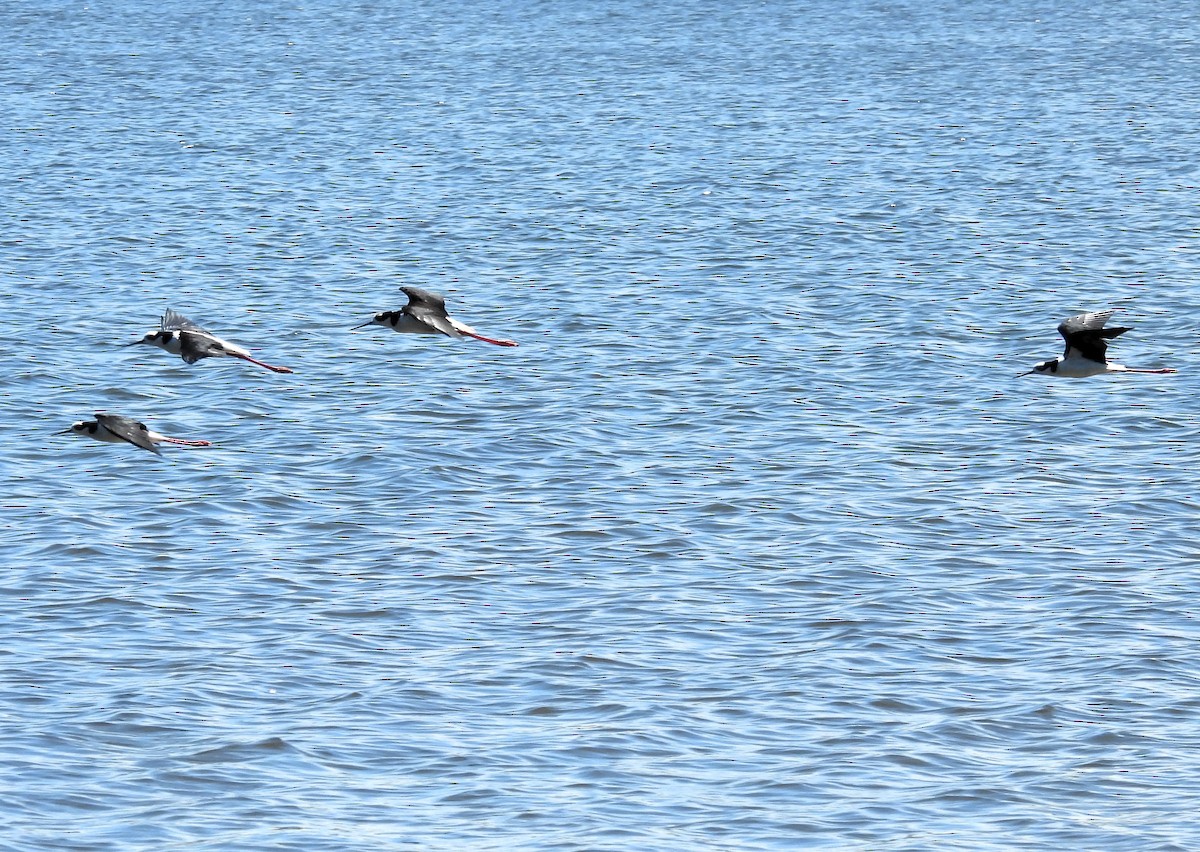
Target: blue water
755,542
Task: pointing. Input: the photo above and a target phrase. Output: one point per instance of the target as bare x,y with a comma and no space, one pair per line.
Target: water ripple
754,542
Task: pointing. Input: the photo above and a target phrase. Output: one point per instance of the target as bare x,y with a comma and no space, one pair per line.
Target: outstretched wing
172,321
423,298
1084,322
433,319
128,429
430,309
1086,334
194,345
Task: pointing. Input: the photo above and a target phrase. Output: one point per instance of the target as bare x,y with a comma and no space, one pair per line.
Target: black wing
194,345
429,308
128,429
172,321
1086,334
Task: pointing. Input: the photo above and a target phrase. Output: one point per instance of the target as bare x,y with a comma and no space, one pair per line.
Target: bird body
1081,368
1086,352
115,429
180,336
425,313
408,324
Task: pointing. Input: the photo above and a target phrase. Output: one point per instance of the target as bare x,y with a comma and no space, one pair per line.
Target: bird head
379,319
1044,367
153,338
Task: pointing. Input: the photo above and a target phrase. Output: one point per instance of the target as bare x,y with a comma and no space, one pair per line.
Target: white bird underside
1076,366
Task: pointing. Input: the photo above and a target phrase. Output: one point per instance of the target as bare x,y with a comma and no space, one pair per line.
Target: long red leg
188,443
267,366
1163,370
488,339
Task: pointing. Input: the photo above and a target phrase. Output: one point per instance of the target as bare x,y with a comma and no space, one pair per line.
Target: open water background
755,542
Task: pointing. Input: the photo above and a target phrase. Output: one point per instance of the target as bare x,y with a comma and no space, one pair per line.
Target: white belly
171,344
1081,368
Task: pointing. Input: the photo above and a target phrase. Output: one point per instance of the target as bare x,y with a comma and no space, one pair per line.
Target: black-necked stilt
180,336
1086,339
425,313
113,429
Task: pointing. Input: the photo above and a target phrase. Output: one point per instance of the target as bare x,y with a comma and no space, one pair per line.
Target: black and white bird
115,429
180,336
425,313
1086,351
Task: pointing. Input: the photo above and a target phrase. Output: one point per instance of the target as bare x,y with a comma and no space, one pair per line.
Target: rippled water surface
755,542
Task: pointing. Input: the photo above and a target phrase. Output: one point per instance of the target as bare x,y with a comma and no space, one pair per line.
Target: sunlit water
755,542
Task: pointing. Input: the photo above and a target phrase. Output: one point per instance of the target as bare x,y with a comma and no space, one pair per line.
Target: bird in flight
115,429
1086,349
425,313
180,336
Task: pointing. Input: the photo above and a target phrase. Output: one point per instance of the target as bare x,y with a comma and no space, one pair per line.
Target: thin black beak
365,324
135,343
66,432
1026,374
